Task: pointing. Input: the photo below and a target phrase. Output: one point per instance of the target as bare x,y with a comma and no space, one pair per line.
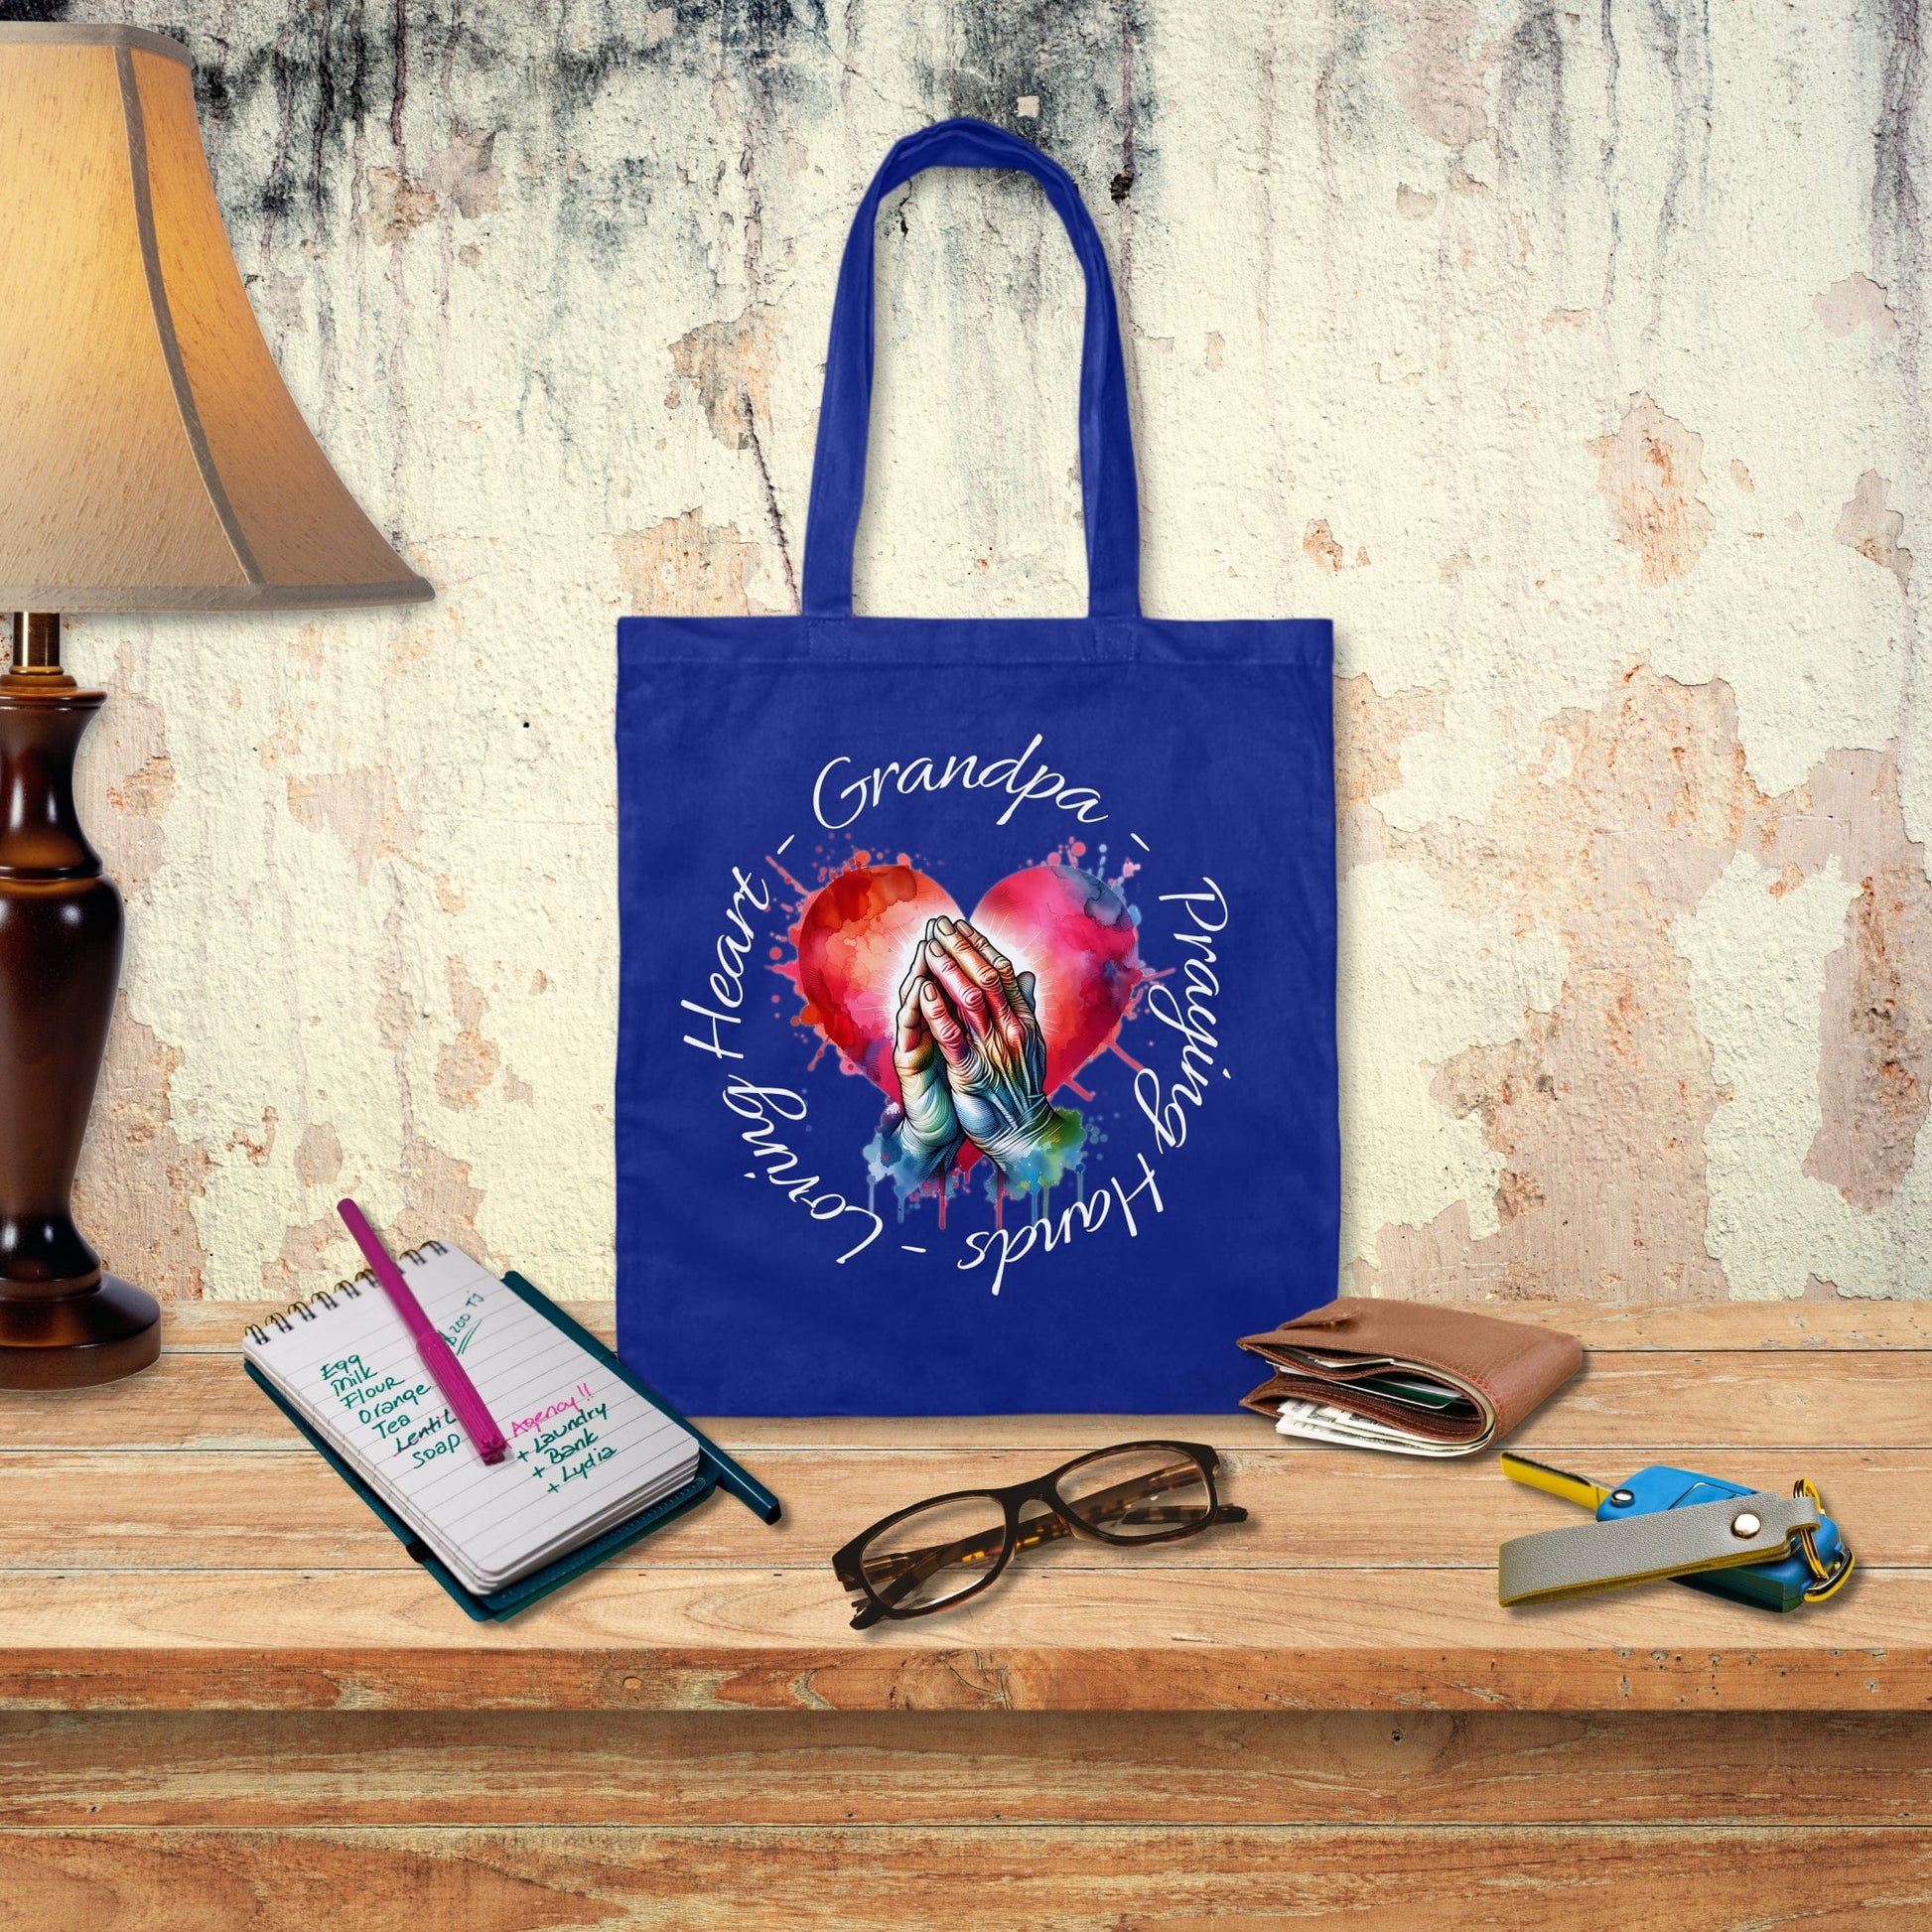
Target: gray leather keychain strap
1636,1549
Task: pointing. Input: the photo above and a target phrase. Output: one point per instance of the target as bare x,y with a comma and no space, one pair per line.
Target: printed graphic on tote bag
984,1034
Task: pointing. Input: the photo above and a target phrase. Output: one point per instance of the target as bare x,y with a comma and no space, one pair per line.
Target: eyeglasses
939,1553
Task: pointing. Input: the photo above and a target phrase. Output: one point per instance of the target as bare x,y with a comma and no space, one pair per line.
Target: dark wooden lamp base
63,1323
73,1340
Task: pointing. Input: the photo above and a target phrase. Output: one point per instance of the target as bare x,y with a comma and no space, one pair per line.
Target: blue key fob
1778,1585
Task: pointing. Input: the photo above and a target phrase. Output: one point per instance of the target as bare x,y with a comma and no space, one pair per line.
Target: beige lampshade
150,458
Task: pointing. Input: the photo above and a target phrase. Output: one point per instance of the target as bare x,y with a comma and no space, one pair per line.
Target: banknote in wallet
1410,1378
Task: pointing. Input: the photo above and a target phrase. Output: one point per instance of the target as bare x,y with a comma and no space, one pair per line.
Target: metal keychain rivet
1745,1525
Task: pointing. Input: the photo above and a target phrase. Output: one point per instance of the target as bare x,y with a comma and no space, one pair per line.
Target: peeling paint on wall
1865,525
467,1063
1595,1107
1874,1075
1599,330
1853,300
1650,472
129,777
139,1192
728,365
687,567
361,808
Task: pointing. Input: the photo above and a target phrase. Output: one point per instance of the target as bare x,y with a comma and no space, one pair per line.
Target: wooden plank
1082,1879
1705,1326
1656,1404
259,1769
1308,1506
1755,1326
186,1399
168,1544
1054,1639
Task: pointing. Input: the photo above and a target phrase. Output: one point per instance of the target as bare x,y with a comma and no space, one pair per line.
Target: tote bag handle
1107,483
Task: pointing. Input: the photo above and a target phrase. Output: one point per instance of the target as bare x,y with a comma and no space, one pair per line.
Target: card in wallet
1412,1378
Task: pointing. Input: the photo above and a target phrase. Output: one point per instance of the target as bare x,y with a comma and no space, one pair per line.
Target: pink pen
437,1356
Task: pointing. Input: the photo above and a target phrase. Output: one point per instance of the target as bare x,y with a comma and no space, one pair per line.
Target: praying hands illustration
972,1065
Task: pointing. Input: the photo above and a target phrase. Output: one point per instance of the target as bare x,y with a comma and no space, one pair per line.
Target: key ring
1826,1578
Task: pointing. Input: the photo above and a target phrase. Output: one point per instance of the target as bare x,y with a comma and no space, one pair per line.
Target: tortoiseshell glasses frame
1156,1492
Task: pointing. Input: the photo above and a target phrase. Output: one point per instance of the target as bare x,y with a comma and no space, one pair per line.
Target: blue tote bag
977,1039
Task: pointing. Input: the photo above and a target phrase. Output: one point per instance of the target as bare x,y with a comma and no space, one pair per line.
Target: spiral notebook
589,1451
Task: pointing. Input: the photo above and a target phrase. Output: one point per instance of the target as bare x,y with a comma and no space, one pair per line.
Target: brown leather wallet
1499,1371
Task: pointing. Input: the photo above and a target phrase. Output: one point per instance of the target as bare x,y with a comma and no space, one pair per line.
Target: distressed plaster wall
1572,357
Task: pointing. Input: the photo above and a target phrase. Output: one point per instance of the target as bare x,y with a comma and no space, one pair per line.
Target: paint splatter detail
1065,947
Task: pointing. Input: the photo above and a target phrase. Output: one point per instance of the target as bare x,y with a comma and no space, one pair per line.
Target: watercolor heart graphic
1071,930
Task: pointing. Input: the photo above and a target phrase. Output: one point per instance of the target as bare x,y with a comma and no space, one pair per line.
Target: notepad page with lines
586,1451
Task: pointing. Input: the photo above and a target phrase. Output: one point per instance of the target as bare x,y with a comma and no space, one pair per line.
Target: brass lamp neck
37,651
36,641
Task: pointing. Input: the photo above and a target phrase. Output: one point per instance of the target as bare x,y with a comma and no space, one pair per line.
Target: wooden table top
168,1542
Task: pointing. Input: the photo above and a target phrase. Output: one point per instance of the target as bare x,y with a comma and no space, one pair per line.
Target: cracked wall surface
1569,357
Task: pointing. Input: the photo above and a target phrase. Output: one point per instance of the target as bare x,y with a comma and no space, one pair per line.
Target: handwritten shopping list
583,1444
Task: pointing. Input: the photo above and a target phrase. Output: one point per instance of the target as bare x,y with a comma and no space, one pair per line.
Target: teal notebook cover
716,1471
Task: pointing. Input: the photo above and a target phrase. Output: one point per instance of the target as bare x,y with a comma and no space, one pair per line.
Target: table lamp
150,459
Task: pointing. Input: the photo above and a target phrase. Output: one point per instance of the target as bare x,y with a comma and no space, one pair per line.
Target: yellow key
1557,1482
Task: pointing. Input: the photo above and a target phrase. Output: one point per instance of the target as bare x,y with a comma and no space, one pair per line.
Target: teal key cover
1776,1586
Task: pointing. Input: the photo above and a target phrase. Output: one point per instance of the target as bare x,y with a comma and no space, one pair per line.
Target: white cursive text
862,794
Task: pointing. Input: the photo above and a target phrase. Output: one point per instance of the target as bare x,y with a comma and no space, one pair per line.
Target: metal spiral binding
284,1320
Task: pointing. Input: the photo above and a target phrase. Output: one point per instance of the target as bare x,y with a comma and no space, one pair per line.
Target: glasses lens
1142,1490
937,1554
